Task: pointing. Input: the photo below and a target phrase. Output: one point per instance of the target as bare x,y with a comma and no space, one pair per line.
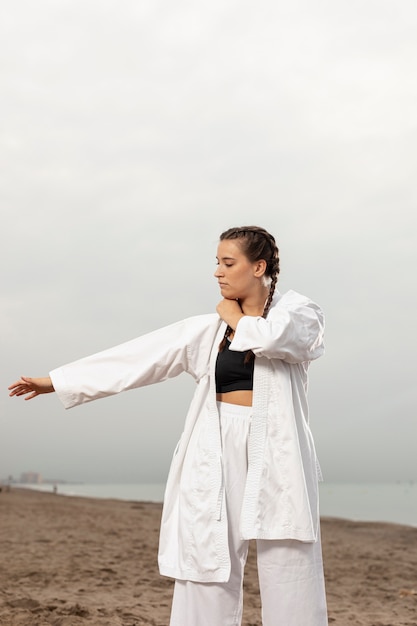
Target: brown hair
256,244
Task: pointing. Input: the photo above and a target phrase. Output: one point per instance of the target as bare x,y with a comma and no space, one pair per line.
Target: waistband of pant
226,409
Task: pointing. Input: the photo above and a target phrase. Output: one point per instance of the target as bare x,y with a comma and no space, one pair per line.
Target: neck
254,305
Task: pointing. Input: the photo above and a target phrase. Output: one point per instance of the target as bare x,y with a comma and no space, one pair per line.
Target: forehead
229,249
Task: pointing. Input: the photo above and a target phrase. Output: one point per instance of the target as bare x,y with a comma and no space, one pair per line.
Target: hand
230,312
32,386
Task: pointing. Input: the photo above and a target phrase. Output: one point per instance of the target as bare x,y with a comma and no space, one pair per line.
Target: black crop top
232,373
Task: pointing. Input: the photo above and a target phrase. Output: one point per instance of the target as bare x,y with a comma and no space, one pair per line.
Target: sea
383,502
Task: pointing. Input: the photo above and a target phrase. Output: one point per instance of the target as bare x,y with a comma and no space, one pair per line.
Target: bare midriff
242,397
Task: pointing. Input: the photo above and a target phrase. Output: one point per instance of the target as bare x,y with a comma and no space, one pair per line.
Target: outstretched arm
32,386
165,353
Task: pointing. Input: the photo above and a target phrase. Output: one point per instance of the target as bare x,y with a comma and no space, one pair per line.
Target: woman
245,466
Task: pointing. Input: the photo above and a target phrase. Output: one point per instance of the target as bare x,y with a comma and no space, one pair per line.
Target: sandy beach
68,561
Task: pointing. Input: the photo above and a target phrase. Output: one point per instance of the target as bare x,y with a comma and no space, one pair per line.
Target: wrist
234,321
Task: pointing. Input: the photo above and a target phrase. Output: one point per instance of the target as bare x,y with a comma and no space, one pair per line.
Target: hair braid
272,271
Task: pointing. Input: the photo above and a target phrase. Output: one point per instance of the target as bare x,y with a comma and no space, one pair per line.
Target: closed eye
225,262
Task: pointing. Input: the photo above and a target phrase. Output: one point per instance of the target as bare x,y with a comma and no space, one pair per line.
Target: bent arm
293,331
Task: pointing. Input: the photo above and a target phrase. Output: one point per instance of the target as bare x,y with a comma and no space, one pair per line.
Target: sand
68,561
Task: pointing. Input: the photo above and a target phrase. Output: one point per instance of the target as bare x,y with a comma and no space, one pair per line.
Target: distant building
30,478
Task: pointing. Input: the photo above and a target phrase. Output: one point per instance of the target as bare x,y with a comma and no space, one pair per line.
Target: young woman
245,466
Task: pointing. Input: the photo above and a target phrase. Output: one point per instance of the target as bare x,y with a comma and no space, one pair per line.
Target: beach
76,561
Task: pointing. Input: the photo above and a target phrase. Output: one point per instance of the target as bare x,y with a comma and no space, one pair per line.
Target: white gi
280,500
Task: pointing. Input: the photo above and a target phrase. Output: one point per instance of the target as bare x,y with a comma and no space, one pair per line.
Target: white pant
290,572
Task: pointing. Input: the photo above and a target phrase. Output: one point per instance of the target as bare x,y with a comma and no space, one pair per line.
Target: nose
217,273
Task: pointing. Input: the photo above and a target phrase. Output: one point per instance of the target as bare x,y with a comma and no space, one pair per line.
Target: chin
228,293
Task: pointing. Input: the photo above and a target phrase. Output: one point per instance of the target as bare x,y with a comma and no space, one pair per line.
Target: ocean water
385,502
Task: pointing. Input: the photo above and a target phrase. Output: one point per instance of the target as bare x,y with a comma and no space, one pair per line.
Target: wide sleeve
149,359
293,331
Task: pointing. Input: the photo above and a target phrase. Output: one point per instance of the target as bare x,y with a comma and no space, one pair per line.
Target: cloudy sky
132,134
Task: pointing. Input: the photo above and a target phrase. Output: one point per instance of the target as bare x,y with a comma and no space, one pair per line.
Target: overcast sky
133,134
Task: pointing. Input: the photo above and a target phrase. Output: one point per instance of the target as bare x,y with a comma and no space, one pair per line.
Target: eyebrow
226,258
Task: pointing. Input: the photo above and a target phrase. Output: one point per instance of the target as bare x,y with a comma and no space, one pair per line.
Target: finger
20,392
15,391
16,384
32,395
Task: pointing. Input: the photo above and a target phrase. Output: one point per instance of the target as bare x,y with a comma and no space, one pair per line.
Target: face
236,275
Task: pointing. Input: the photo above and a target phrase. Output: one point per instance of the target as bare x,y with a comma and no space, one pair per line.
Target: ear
259,268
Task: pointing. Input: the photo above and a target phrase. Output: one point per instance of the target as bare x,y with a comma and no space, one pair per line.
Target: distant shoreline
386,502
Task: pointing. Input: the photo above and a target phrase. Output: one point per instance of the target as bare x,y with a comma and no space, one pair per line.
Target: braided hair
256,244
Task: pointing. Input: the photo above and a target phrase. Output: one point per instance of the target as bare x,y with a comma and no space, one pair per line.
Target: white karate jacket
281,494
